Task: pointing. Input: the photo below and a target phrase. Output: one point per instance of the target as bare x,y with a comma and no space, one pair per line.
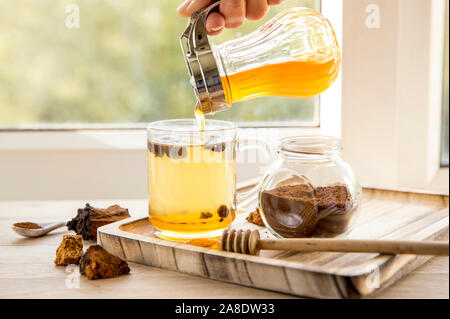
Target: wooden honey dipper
249,242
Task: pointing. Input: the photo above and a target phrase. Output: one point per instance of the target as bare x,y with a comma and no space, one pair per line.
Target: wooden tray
384,215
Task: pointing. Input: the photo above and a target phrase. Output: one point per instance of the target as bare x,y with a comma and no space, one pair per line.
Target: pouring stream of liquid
200,117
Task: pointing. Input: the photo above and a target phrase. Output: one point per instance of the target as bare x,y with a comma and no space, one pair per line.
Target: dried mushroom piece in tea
205,215
223,211
171,151
218,147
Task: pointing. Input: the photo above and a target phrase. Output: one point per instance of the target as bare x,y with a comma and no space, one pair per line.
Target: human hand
231,12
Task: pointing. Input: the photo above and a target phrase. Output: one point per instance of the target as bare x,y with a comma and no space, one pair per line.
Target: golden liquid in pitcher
289,79
191,187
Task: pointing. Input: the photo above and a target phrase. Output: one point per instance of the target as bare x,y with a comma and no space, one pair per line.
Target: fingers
181,10
256,9
274,2
234,12
215,23
189,7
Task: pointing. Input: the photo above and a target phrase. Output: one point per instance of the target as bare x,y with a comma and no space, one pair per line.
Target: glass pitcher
295,54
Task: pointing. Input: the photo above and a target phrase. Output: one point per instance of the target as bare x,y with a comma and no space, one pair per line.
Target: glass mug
192,177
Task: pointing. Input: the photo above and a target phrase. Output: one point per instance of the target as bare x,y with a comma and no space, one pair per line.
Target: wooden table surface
27,269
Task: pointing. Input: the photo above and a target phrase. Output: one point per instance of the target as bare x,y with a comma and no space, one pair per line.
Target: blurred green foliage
124,64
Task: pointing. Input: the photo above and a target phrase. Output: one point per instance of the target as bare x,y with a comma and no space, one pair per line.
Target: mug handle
244,198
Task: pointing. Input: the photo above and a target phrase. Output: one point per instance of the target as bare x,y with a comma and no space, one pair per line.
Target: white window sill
121,139
95,164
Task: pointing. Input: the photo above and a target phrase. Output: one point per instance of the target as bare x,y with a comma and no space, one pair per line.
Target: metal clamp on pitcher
295,54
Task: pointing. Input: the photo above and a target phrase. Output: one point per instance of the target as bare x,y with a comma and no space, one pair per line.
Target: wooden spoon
249,242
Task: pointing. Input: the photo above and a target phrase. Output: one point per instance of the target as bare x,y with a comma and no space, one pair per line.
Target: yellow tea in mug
191,187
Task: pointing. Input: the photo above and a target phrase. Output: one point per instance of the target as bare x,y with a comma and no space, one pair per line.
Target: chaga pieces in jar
302,211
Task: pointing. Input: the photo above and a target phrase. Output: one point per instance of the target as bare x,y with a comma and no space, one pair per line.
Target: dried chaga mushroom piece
255,218
69,251
223,211
156,149
176,152
97,263
89,218
205,215
172,151
219,147
337,196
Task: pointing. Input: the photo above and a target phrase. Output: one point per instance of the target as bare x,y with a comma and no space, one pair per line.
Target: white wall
88,165
392,80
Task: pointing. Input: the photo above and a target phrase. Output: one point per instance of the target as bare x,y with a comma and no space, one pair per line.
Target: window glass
123,64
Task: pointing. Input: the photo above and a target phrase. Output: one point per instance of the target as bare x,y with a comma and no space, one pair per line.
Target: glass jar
295,54
309,191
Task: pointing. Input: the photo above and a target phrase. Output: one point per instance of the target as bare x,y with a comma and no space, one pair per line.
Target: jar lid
311,145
